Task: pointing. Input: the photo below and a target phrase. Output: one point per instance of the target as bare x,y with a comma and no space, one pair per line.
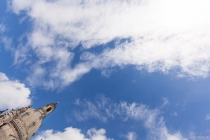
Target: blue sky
121,69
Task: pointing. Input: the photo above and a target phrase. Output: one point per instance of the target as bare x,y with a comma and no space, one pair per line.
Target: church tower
22,124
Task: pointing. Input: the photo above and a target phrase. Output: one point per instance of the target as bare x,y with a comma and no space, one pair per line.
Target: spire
49,108
24,122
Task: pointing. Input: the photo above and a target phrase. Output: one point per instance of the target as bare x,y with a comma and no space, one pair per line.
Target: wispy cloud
13,94
131,136
158,55
208,116
103,109
88,109
165,102
106,73
164,35
2,28
73,134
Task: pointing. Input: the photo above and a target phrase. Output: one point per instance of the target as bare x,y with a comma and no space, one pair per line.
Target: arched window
32,125
49,109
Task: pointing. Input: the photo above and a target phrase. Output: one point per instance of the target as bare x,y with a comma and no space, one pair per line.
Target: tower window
49,109
25,114
32,125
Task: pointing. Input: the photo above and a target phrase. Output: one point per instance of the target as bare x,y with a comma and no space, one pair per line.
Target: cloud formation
164,35
208,116
97,22
73,134
2,28
103,109
155,56
13,94
131,136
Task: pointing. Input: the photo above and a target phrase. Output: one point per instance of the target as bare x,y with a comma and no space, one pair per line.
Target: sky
120,69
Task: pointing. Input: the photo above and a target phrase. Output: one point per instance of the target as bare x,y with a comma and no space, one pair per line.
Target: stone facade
22,124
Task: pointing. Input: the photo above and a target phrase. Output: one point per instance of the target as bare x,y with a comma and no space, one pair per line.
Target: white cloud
54,61
208,116
13,94
91,110
56,77
71,75
174,114
131,136
156,55
2,28
162,35
7,43
73,134
104,109
165,102
94,134
101,21
106,73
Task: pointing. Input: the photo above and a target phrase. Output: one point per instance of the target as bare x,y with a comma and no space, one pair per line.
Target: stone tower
22,124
